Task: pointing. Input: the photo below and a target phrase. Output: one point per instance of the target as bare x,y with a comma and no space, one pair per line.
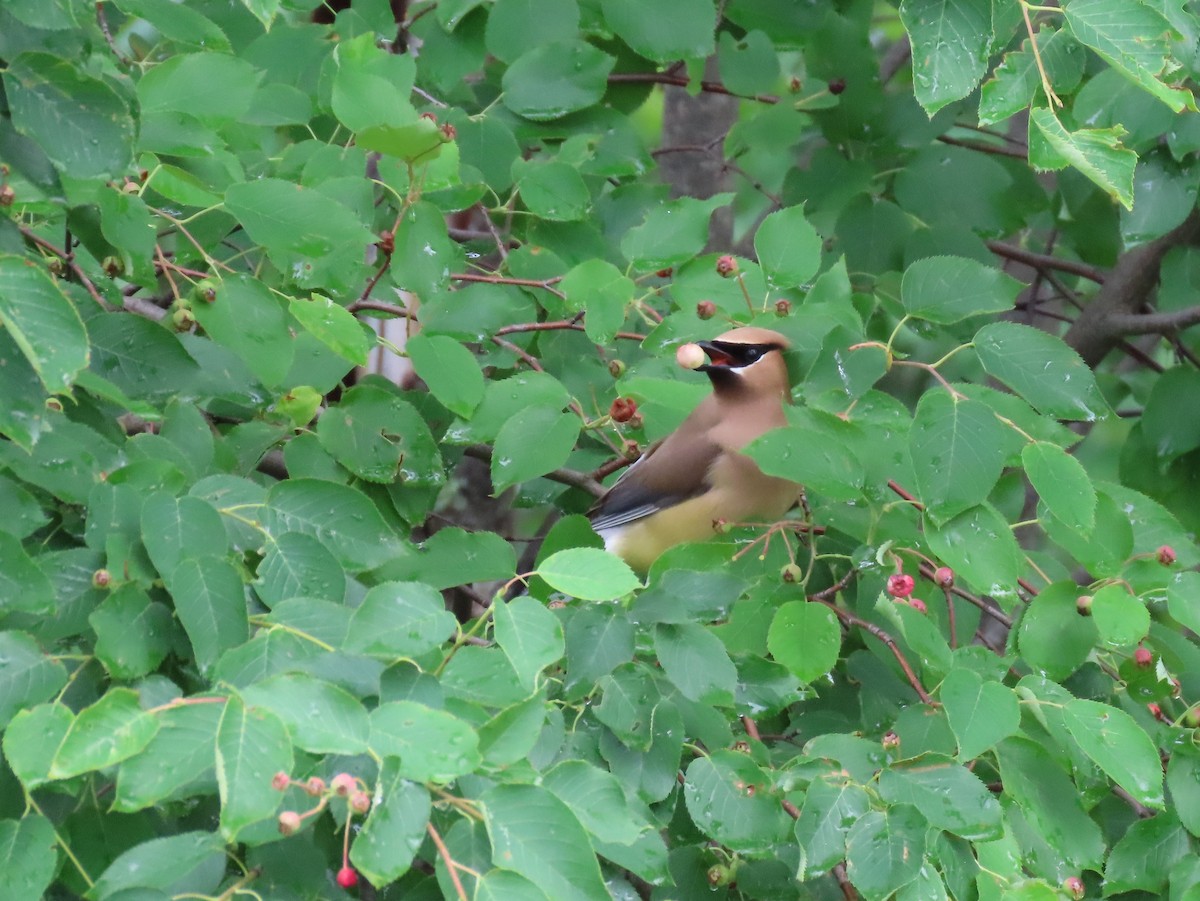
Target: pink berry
783,307
726,266
280,781
360,802
1165,555
918,605
690,356
1142,657
900,585
343,784
706,309
623,409
1074,887
347,878
943,576
315,786
289,822
1083,604
891,741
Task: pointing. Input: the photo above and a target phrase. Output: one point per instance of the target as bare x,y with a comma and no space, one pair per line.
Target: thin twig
984,147
451,866
1044,261
848,892
851,619
571,477
682,81
559,325
69,259
544,284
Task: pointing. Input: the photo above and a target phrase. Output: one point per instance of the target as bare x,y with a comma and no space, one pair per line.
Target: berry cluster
343,786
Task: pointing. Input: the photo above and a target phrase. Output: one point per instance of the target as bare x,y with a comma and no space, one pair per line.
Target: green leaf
884,850
312,238
729,799
252,322
1121,618
696,662
177,22
1171,421
159,863
596,797
1062,483
28,857
552,190
43,322
531,444
28,736
179,758
432,745
297,565
371,86
664,32
23,584
555,79
252,746
515,26
957,449
950,48
339,517
140,357
982,714
213,87
23,415
453,557
672,232
1096,152
1183,780
395,828
979,546
380,437
949,289
948,795
598,638
1042,369
109,731
530,636
1119,746
449,369
399,619
1016,81
178,529
133,633
825,465
602,291
1050,802
27,676
749,65
832,805
806,638
1145,854
535,834
333,326
588,574
210,601
1134,39
1052,636
1182,594
788,248
511,735
81,123
320,717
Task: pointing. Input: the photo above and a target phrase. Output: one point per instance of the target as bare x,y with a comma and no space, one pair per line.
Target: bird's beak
719,358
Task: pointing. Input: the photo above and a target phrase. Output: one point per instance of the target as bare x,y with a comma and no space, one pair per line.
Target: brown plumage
697,475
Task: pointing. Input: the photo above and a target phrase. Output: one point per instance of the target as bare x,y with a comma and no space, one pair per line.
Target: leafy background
227,553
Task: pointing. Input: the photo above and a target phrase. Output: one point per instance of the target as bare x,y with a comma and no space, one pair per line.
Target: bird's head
747,359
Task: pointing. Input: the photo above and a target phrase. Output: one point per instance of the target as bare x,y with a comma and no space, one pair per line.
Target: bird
697,477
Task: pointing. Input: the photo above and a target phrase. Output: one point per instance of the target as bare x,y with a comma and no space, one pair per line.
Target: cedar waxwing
683,484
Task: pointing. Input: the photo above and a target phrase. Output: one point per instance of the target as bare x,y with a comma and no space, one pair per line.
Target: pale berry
900,585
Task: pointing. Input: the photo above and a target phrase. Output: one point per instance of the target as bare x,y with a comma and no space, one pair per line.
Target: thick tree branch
1154,323
1100,326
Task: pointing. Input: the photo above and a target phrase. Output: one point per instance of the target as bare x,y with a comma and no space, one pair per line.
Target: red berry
1142,657
900,585
623,409
432,117
1165,555
289,822
836,86
726,266
360,802
783,307
347,878
449,132
918,605
1156,712
280,781
343,784
1074,887
943,576
665,273
706,309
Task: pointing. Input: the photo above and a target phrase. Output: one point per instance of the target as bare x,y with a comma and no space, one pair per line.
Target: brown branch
378,306
69,259
451,866
1045,261
571,477
559,325
682,81
995,613
984,147
545,284
1154,323
826,593
893,61
1124,292
606,469
852,620
906,495
751,728
102,21
848,892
